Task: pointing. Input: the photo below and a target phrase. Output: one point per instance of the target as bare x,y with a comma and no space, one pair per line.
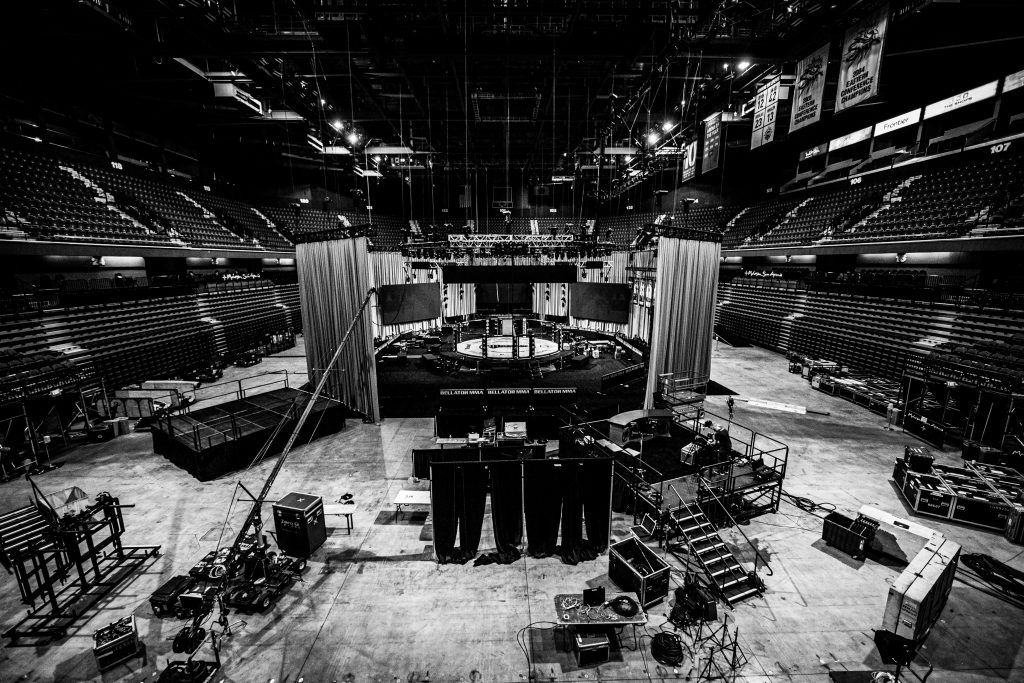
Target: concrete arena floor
373,604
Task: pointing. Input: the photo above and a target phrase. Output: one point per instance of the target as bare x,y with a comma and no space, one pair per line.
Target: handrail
39,496
757,553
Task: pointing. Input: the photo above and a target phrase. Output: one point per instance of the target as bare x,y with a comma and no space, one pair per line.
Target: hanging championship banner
862,59
689,162
766,108
712,142
810,88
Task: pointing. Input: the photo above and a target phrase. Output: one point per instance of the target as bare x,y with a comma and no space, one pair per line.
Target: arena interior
512,340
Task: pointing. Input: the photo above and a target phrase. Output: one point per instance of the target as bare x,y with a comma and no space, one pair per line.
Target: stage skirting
211,442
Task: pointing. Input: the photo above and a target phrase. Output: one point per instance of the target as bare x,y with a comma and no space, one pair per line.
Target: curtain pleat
472,492
334,279
684,310
542,504
596,493
444,511
506,512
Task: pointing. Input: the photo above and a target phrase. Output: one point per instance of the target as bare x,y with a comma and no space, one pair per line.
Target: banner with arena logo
861,59
712,142
810,88
766,109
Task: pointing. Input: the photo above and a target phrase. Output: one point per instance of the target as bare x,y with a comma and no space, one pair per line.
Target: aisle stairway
21,529
706,546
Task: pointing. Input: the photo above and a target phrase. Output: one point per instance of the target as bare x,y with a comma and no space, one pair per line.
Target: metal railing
757,553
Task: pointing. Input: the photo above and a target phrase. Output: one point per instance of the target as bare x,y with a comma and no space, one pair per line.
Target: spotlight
667,126
743,66
353,138
725,65
322,101
652,138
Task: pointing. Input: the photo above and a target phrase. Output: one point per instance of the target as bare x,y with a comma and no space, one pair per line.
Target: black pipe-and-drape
586,497
506,512
543,506
458,495
568,495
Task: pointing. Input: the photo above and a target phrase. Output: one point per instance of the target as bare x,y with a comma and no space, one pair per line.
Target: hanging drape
568,499
543,506
506,512
551,298
334,278
458,497
684,310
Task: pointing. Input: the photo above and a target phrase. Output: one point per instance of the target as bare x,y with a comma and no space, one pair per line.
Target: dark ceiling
526,85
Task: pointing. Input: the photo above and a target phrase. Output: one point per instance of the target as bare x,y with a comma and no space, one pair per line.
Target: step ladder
21,530
535,371
719,565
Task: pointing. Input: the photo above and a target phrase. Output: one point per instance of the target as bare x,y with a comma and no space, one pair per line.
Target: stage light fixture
743,66
652,138
353,138
667,126
322,101
337,124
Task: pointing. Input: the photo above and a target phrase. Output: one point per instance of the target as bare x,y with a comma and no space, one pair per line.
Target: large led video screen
563,272
409,303
606,301
504,297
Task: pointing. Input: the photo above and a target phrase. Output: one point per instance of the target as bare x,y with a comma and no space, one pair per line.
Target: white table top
339,509
412,498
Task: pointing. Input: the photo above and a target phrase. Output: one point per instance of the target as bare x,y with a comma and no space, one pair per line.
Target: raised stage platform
211,442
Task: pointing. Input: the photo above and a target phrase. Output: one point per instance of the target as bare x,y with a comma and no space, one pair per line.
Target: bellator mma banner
810,88
862,59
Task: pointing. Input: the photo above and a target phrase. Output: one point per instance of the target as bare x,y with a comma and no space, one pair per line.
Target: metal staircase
21,530
732,582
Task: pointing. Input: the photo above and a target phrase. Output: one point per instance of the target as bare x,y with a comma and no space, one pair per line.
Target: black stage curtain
543,504
506,512
597,494
443,510
570,480
586,495
573,495
458,495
